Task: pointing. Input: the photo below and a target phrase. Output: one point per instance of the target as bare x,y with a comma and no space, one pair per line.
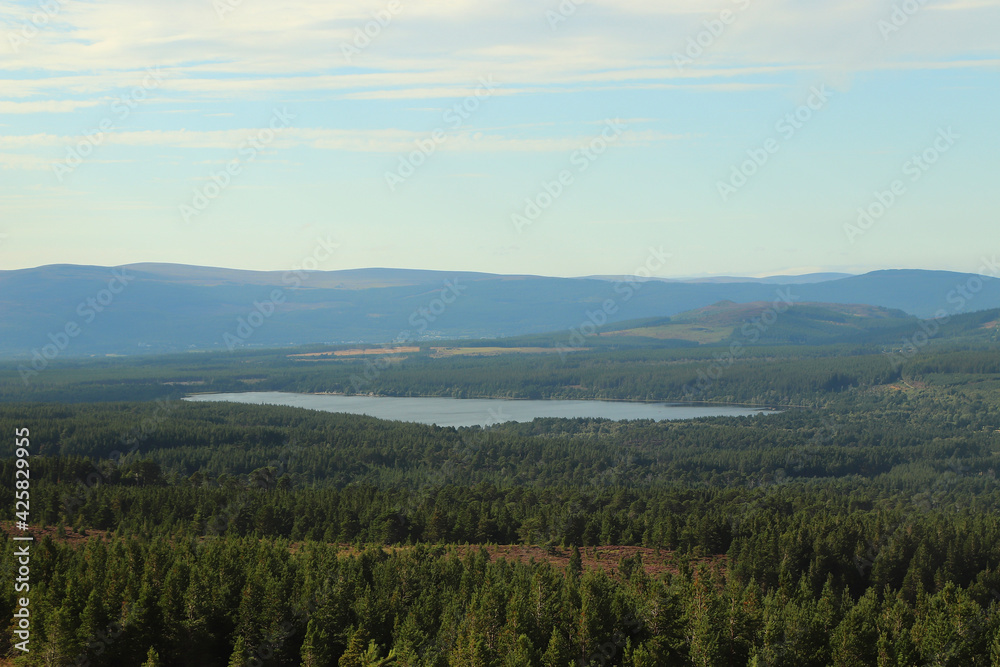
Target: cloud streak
361,141
262,49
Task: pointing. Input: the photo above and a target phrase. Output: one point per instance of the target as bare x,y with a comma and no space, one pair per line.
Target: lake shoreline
664,401
459,412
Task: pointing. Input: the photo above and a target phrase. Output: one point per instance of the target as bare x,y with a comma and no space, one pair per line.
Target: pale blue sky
225,68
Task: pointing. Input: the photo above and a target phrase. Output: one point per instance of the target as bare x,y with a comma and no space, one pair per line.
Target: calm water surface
477,411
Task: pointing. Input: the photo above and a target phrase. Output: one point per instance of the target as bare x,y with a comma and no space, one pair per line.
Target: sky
736,137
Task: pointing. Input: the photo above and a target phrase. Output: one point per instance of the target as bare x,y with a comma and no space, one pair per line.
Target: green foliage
865,531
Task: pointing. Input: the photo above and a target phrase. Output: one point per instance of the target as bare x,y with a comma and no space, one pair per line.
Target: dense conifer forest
857,525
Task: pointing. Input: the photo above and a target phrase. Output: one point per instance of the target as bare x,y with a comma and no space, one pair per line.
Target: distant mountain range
82,310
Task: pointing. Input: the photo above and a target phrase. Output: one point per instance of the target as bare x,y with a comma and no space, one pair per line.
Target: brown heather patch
655,562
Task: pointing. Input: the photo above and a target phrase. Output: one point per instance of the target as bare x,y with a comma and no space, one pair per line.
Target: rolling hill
83,310
760,321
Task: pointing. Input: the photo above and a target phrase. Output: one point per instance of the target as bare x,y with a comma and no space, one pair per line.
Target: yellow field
436,352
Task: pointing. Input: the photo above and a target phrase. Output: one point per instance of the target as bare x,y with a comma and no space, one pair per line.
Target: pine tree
372,657
646,656
596,621
951,630
152,659
144,623
60,646
895,644
558,652
742,620
239,657
706,622
356,648
855,641
522,653
316,646
93,618
575,562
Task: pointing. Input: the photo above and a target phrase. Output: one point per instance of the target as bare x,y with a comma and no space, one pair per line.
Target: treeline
733,371
747,374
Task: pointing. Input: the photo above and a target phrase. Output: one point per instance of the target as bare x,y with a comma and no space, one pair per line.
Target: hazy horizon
299,267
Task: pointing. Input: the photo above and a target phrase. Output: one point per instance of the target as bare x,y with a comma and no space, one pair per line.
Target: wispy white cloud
23,162
435,50
46,106
963,5
221,75
362,141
